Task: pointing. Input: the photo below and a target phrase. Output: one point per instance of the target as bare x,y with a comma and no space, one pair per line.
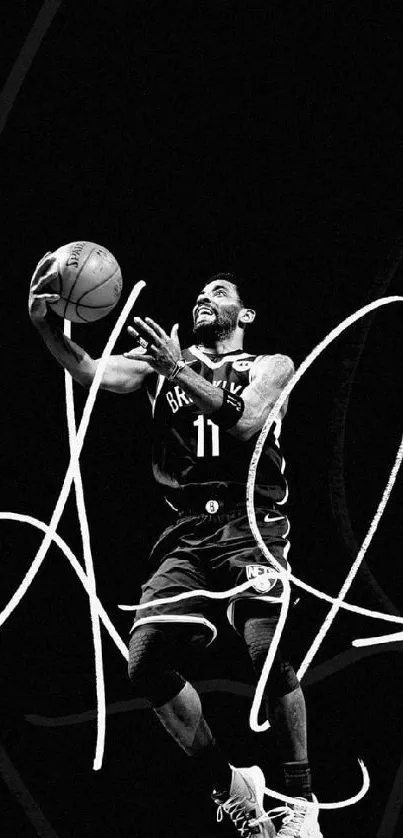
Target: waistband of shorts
207,498
212,509
216,499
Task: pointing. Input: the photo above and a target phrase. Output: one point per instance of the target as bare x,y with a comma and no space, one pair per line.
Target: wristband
230,411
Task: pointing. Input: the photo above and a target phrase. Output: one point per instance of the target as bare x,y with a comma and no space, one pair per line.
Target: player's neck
233,343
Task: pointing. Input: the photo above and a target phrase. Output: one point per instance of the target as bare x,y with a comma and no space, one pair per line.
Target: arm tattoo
281,372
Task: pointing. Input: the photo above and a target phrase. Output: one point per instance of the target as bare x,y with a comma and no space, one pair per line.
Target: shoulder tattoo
276,369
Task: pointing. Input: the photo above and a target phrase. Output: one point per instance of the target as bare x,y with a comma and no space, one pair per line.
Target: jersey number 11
202,432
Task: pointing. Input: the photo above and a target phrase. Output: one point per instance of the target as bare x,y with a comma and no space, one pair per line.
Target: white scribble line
356,609
78,444
378,639
40,525
72,468
355,566
89,566
244,586
340,804
274,413
261,684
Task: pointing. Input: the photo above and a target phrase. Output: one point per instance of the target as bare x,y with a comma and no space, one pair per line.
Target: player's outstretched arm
122,375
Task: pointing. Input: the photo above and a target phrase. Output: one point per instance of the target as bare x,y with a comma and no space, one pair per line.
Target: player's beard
224,323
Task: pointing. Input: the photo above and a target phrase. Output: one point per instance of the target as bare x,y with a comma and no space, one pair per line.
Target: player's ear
246,316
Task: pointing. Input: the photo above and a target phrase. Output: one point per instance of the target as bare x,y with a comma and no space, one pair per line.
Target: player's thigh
244,563
171,602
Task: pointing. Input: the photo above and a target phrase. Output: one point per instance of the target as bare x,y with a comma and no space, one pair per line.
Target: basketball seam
89,291
60,289
84,319
76,280
85,305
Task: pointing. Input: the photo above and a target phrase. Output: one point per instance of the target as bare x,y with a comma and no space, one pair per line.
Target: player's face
216,312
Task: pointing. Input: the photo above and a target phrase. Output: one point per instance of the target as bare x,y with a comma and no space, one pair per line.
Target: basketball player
209,403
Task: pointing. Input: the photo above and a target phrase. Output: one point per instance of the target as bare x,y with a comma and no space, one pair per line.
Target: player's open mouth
204,310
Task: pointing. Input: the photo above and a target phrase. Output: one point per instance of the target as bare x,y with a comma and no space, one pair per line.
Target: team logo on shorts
265,577
241,366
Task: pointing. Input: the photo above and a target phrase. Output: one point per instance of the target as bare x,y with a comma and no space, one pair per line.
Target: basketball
89,282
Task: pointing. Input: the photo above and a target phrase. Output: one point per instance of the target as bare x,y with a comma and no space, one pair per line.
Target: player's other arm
121,375
269,376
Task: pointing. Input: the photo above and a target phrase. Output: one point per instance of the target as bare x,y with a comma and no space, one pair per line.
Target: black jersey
192,454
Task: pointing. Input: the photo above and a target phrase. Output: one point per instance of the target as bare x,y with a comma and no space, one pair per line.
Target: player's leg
181,563
251,618
239,792
152,653
287,711
160,638
286,702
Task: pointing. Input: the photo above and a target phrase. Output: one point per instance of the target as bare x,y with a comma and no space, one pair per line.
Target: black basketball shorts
213,552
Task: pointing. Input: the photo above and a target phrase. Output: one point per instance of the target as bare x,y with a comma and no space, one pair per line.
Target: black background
191,138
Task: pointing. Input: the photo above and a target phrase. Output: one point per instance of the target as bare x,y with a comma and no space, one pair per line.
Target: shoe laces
293,819
234,806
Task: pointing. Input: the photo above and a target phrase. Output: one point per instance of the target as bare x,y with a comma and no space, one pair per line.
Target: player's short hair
236,280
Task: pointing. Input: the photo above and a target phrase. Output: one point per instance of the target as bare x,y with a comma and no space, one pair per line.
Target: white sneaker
301,820
245,803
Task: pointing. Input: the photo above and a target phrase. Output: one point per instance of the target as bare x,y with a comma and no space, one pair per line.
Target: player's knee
259,634
149,669
282,680
145,653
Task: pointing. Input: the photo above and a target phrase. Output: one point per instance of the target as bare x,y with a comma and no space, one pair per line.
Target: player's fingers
39,299
157,328
50,274
45,256
137,350
49,298
42,267
135,354
135,335
45,260
139,354
45,279
146,331
174,332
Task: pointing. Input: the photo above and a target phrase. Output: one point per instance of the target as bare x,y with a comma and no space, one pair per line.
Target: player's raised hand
161,350
45,271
